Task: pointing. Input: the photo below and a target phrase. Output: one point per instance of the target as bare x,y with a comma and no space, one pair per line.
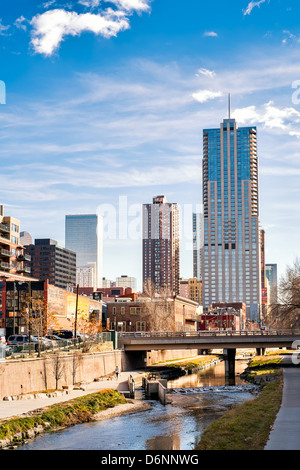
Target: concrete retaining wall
153,357
33,375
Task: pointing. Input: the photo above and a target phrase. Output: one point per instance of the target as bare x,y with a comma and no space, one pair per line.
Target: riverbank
247,426
92,407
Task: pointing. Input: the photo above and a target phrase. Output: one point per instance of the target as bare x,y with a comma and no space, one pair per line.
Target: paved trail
9,409
286,432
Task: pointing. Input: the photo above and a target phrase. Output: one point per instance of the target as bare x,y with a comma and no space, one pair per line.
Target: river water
199,399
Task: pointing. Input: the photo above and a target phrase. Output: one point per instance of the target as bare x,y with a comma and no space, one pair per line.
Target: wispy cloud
211,34
252,5
206,73
3,28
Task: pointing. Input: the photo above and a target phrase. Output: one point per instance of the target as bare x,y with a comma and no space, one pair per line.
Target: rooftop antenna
229,104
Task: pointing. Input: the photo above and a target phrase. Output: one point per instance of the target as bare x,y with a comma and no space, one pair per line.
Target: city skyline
92,116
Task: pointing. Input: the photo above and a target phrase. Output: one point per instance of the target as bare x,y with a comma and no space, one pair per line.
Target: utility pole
76,310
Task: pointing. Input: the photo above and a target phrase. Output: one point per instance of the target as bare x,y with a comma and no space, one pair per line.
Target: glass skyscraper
84,235
230,245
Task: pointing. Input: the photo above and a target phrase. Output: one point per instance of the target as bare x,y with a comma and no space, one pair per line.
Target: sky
103,104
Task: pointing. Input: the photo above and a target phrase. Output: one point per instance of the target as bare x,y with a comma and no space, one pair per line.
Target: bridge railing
172,334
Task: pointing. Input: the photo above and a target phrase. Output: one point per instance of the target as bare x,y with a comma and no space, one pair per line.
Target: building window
140,326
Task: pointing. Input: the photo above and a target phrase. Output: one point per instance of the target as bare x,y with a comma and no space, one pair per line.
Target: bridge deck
146,341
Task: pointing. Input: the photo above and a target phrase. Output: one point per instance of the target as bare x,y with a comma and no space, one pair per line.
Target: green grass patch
247,426
76,411
192,364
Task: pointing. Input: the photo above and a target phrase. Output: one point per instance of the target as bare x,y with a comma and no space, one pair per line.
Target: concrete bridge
229,341
149,341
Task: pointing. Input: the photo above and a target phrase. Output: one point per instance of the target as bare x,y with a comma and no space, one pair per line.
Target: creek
197,400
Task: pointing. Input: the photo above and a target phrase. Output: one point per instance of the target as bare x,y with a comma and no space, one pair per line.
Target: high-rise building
84,235
197,220
86,276
161,258
53,263
230,245
195,290
25,238
13,261
271,274
126,281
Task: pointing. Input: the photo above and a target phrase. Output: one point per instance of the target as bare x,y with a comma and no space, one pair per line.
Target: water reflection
213,376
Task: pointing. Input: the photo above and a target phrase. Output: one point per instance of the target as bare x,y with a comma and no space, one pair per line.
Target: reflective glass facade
230,250
84,235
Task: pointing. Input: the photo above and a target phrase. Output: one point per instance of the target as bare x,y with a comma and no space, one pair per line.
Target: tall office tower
271,274
84,235
230,246
53,263
161,253
197,220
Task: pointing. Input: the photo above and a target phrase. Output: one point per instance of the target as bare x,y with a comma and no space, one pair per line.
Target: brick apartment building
58,306
140,313
13,260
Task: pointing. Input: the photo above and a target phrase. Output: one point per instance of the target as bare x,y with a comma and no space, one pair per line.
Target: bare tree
157,309
58,368
75,365
286,313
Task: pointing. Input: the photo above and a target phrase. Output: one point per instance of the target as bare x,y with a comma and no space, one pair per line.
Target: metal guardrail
196,334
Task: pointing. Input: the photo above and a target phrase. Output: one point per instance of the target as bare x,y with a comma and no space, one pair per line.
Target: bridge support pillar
229,356
260,351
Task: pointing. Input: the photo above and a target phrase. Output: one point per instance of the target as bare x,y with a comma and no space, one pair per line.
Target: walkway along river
197,400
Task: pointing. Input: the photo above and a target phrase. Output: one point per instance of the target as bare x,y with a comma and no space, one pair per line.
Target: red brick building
140,313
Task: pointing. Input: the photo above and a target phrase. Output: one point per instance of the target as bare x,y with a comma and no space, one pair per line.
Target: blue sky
106,102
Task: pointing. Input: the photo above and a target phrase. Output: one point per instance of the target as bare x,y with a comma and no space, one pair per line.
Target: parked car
20,339
45,341
53,337
64,334
57,340
68,334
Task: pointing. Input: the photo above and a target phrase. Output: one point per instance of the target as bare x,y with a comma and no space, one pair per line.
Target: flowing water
203,397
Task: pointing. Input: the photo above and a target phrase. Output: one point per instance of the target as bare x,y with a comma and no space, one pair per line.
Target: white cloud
206,73
130,5
290,37
204,95
211,34
3,28
270,116
90,3
51,27
252,5
19,23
